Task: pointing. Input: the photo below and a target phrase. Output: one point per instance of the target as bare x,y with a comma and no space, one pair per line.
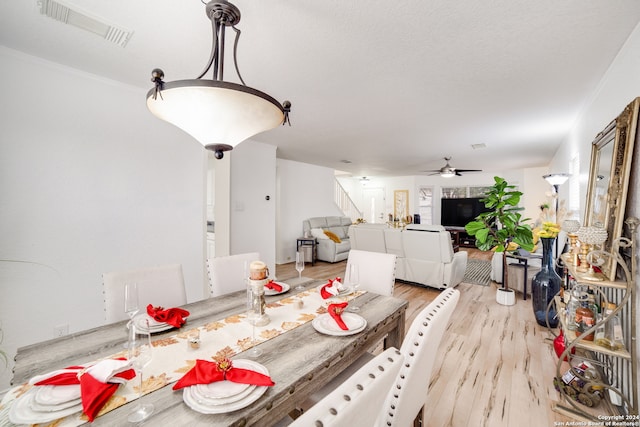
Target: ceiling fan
447,171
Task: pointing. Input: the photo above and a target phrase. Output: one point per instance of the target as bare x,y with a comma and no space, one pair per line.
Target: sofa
335,245
424,253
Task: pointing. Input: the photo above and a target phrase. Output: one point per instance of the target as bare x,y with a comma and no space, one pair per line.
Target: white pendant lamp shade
218,114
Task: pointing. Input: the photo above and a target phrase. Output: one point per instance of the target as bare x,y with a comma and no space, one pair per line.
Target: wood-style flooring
495,365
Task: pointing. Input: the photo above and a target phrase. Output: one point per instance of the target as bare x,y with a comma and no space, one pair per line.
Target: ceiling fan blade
458,173
468,170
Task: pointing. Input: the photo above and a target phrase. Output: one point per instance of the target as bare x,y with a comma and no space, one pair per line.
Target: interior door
373,205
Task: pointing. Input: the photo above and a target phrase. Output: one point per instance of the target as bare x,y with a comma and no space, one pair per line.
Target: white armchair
429,257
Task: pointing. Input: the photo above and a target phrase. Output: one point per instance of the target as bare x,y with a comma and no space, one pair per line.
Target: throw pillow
332,236
318,233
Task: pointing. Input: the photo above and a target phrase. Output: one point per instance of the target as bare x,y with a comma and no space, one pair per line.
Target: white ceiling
391,87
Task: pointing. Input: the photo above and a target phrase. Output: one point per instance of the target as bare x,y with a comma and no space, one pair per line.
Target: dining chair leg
419,419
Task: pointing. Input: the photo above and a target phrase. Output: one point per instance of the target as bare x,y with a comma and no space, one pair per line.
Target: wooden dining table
300,361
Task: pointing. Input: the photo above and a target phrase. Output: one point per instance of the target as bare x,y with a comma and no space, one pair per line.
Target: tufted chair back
354,402
408,395
161,286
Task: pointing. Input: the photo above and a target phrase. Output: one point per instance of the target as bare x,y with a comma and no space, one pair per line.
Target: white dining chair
354,401
406,400
160,286
377,271
228,273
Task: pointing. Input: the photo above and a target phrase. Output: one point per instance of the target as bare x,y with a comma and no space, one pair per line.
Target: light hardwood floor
495,366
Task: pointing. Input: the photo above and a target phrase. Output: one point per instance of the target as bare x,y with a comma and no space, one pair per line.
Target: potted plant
500,226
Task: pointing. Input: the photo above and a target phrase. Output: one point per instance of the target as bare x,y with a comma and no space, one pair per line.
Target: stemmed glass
254,351
300,267
252,318
130,305
353,283
140,350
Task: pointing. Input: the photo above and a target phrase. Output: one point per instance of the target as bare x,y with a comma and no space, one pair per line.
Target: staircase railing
344,202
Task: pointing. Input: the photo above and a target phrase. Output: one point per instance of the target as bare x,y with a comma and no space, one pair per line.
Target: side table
524,261
308,244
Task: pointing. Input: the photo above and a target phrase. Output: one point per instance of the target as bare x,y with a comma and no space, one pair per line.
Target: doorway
373,205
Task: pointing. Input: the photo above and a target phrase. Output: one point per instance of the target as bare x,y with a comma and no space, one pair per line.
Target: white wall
304,191
90,182
618,88
253,218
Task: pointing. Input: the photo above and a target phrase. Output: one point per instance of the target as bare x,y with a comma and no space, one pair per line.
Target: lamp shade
556,178
218,114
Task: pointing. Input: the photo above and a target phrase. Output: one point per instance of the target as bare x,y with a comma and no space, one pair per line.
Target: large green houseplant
501,225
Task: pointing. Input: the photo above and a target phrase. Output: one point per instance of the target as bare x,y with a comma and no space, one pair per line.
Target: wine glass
353,282
131,299
130,305
300,267
252,316
254,351
140,350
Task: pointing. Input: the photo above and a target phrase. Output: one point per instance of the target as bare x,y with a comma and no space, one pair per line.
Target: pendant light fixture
219,114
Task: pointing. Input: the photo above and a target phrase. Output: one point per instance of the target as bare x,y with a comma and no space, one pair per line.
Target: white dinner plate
285,288
342,292
209,401
51,395
21,412
220,389
140,321
194,400
326,325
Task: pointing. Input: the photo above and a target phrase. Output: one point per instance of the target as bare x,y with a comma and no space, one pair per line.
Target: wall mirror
611,155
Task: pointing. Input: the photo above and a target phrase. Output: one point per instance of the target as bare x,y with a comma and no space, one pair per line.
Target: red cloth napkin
94,393
335,311
273,286
323,290
206,372
173,316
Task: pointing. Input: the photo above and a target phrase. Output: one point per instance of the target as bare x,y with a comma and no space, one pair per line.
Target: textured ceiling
391,87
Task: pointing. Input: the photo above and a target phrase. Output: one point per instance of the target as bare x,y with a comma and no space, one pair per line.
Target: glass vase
544,286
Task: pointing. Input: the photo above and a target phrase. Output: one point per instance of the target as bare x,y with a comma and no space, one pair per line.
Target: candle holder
590,238
258,277
571,226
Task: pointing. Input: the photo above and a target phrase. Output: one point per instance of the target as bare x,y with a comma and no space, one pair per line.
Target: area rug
478,272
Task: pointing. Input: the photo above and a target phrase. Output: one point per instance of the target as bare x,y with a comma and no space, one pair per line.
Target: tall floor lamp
556,180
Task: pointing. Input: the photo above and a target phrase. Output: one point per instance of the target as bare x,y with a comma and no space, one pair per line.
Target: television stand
460,237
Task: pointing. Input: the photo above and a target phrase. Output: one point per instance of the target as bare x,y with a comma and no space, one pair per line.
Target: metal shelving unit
615,373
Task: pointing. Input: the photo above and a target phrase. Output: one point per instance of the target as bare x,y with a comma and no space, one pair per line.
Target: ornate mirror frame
400,204
611,155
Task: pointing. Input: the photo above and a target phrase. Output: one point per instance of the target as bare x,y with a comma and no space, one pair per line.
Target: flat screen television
459,212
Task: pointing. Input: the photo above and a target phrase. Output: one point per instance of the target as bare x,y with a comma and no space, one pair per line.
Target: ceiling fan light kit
218,114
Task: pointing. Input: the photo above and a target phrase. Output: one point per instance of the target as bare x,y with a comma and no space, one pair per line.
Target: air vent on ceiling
478,146
63,13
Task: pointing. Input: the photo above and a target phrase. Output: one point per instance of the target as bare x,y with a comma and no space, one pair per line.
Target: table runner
172,356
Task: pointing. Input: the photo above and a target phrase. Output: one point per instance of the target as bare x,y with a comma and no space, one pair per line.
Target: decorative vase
544,286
